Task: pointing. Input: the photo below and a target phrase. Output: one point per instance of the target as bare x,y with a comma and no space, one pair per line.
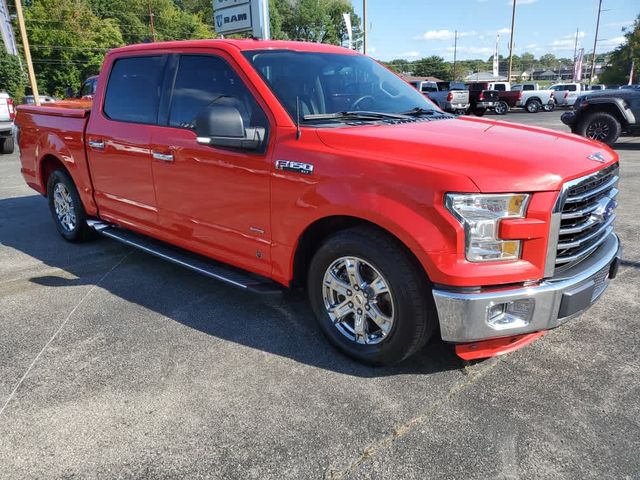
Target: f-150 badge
298,167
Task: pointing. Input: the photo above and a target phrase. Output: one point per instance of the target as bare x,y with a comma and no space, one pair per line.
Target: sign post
239,16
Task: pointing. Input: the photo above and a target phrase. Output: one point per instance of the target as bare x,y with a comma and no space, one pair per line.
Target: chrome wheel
64,207
358,300
598,130
501,108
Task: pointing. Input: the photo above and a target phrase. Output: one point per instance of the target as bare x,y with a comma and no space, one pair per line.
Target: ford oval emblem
598,157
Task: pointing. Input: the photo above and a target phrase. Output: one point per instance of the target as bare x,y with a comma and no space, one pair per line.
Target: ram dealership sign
237,16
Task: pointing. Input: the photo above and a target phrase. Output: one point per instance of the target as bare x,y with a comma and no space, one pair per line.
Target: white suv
7,116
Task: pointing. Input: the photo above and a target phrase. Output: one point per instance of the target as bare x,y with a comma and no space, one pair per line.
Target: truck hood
496,156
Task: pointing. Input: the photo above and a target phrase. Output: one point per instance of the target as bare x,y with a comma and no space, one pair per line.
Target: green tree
433,66
12,78
623,57
68,42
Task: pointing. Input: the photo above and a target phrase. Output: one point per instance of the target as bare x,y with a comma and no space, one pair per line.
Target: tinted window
133,90
204,80
572,88
329,83
501,87
88,88
529,87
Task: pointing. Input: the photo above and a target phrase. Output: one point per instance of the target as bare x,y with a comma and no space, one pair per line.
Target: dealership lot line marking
59,329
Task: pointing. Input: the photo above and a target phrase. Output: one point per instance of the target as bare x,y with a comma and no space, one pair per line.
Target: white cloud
443,35
611,42
504,30
371,50
627,23
410,54
472,50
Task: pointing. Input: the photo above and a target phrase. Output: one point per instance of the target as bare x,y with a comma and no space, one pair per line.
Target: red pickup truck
270,164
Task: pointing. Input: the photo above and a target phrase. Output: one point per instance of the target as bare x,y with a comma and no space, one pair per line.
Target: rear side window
133,91
501,87
203,80
572,88
529,87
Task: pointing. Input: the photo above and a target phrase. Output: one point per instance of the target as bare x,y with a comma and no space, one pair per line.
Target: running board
198,263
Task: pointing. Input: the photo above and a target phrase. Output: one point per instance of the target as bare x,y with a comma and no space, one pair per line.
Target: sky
413,29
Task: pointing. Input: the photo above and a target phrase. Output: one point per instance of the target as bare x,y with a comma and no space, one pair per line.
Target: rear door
118,136
211,199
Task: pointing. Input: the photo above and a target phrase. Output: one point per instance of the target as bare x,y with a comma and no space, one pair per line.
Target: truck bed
55,131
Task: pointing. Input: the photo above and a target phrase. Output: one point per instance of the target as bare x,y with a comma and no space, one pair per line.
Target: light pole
455,52
595,43
364,26
513,23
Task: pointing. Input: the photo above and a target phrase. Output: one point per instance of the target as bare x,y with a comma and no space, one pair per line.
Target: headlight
480,216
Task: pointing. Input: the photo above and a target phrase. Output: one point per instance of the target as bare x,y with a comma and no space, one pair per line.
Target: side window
203,80
500,87
88,88
572,88
133,91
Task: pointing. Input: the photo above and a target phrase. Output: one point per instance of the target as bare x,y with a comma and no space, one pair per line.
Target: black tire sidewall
614,126
7,146
535,104
479,112
79,232
408,316
505,109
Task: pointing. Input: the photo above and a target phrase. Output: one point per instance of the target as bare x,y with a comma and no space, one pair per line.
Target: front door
118,136
214,200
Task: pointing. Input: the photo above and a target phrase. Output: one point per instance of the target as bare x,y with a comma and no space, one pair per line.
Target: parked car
88,87
534,97
7,116
310,165
597,87
30,99
566,93
605,115
481,98
630,87
449,96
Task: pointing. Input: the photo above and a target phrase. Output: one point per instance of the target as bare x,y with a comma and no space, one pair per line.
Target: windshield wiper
356,115
417,111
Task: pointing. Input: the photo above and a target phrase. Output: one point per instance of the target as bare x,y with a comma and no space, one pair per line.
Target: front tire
66,208
370,298
600,126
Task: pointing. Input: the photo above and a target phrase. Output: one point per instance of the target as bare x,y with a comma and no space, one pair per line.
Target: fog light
516,314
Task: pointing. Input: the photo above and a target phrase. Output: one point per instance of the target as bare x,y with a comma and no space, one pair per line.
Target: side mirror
222,126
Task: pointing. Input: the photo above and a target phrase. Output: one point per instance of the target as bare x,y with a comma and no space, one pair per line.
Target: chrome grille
587,212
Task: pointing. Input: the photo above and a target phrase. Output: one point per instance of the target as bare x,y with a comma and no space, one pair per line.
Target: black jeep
605,115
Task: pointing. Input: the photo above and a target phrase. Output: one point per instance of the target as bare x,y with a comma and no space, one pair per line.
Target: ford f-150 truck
269,164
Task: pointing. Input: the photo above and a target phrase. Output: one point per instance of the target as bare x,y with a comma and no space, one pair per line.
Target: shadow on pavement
282,326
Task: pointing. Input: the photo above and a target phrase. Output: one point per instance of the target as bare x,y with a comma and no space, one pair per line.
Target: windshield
329,83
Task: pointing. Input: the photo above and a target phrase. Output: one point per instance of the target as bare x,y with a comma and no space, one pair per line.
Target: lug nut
356,288
367,307
350,305
349,293
359,311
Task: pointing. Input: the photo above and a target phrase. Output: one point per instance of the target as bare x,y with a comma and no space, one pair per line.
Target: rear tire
502,108
66,208
7,146
479,112
388,286
550,107
533,106
600,126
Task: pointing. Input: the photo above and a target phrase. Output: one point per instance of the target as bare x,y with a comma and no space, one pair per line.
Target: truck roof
241,44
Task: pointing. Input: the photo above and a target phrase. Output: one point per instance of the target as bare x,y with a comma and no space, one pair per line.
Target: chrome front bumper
463,315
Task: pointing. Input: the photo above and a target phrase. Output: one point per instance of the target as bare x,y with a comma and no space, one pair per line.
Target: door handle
96,144
165,157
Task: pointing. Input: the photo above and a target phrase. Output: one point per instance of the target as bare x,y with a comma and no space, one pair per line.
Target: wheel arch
48,164
318,231
610,108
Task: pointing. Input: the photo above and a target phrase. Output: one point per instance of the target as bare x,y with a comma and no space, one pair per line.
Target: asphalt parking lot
114,364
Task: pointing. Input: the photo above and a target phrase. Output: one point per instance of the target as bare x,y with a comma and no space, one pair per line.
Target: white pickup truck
532,98
450,96
567,93
7,115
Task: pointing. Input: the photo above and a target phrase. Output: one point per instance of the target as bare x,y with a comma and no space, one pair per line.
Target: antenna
298,132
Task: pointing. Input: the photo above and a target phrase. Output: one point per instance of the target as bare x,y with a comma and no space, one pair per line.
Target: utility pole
27,52
595,43
153,30
455,52
575,54
513,23
364,26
